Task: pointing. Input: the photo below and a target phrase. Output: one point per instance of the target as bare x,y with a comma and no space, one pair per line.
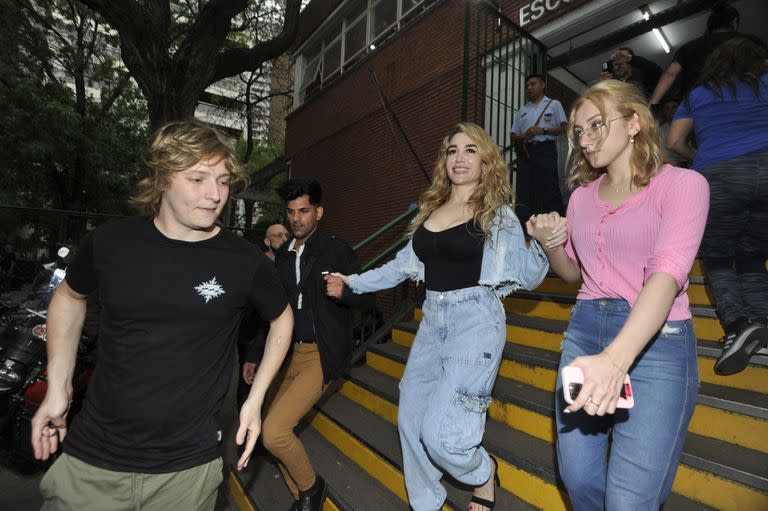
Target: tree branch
125,16
116,93
42,20
210,28
239,60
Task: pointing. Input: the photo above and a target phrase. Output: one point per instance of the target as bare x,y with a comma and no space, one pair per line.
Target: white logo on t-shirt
210,290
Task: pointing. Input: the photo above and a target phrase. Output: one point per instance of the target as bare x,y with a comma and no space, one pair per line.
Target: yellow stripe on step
522,419
717,492
534,338
379,468
753,377
730,427
385,365
698,295
518,334
535,376
705,328
514,416
402,337
556,286
697,270
367,399
328,505
530,488
238,494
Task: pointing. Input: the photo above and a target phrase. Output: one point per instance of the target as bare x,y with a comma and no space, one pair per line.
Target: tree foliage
175,50
72,123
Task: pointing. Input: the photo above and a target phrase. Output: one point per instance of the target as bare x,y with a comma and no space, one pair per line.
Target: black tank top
452,258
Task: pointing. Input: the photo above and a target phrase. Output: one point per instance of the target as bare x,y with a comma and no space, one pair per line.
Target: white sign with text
538,8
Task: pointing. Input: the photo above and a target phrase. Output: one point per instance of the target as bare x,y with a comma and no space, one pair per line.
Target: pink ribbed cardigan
657,230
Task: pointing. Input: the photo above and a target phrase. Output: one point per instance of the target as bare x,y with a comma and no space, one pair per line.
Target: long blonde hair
647,155
492,191
178,146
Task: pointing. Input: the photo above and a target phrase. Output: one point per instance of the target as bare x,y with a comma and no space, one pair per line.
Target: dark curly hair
296,188
738,59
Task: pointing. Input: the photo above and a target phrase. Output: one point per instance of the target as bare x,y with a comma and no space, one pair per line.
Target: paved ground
19,492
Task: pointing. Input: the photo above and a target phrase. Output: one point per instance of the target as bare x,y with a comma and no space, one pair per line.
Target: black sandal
490,504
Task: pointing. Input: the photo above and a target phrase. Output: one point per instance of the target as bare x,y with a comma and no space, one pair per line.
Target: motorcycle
23,358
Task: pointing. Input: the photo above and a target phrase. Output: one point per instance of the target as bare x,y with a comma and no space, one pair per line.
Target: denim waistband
460,295
606,304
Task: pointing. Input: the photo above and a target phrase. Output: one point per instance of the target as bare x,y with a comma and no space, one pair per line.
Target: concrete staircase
352,435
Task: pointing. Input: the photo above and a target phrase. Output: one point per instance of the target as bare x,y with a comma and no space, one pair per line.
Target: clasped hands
549,229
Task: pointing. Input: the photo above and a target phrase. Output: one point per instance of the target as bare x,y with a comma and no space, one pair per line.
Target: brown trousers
296,388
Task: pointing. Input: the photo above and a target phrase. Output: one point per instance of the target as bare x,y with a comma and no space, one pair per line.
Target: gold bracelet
613,362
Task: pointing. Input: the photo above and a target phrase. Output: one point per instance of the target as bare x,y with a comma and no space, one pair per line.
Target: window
310,79
331,58
383,17
355,38
347,38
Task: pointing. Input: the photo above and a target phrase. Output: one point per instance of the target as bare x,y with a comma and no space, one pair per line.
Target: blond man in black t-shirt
173,286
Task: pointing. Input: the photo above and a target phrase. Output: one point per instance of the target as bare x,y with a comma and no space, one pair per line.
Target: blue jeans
647,440
446,390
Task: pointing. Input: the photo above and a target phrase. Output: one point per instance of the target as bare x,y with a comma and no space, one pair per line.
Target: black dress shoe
312,499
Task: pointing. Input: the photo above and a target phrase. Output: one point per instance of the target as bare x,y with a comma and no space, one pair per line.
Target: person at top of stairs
728,112
635,224
470,249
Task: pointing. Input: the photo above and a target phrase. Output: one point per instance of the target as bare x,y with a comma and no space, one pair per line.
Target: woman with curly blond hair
635,224
469,248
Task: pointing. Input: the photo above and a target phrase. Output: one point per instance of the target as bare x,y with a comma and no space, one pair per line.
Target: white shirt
553,117
297,267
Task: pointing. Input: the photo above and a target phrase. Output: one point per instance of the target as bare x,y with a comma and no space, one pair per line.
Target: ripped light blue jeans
647,440
446,390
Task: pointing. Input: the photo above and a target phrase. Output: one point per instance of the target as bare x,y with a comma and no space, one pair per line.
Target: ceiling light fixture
662,40
660,36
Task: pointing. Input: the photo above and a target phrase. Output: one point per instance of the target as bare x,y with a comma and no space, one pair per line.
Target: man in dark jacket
322,338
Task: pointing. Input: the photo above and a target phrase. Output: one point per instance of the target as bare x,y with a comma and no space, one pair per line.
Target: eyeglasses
593,130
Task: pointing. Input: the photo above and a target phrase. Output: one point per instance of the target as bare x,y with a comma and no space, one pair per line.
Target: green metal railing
407,294
407,216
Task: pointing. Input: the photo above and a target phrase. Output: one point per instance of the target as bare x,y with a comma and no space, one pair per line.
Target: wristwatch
546,131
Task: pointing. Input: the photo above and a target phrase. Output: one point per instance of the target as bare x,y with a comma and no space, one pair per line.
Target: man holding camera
624,65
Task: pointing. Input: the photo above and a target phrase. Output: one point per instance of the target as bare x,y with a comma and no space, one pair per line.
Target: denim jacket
508,262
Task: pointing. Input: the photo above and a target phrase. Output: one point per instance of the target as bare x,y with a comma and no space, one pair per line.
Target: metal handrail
379,334
384,254
409,213
406,305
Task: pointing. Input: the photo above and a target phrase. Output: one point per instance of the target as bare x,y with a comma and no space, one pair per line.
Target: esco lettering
536,9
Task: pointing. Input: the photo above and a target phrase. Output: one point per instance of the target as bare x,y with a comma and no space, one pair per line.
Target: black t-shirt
452,258
693,55
168,329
